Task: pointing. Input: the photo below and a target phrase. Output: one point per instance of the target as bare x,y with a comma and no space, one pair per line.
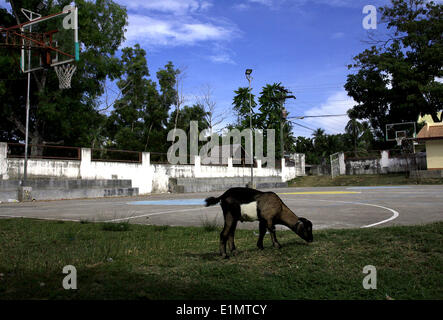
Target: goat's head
303,228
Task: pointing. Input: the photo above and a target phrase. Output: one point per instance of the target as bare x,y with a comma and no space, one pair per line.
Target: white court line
38,218
394,216
112,220
156,213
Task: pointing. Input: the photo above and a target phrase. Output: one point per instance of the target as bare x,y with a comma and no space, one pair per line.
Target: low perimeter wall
149,178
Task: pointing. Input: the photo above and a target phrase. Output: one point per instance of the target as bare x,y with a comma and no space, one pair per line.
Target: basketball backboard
398,131
49,41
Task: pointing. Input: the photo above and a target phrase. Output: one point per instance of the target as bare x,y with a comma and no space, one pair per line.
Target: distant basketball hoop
400,132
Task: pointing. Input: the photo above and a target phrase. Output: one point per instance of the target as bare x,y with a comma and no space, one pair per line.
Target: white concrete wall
145,176
37,168
385,164
141,174
162,173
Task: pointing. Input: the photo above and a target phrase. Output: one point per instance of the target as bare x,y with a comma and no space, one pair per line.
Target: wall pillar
258,170
4,161
85,164
384,161
230,163
283,169
342,164
302,164
197,166
147,174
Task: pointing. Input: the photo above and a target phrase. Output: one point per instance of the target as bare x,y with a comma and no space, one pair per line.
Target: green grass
155,262
359,180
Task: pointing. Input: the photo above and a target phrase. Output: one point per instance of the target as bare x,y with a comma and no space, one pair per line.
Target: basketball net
399,141
64,74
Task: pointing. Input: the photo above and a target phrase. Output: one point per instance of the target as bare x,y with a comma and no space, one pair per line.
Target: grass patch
111,226
209,225
151,262
359,180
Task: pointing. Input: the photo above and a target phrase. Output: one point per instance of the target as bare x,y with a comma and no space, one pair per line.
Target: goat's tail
212,201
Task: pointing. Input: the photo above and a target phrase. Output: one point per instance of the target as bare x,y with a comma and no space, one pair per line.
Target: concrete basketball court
338,207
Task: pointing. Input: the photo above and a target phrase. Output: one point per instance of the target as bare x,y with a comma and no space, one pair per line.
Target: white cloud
177,7
268,3
172,23
221,58
240,6
274,4
337,103
337,35
169,31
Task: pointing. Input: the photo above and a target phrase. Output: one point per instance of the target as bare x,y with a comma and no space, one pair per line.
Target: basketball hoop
399,141
64,74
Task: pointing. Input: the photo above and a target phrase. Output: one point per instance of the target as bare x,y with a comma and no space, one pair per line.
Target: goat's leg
262,233
271,229
231,243
225,234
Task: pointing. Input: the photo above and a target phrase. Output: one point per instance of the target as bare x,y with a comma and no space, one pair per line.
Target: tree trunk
147,138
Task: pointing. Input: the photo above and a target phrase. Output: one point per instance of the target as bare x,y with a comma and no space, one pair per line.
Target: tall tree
273,116
397,78
125,121
206,100
354,129
244,105
156,114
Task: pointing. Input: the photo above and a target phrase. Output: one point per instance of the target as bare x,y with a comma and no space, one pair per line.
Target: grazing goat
245,204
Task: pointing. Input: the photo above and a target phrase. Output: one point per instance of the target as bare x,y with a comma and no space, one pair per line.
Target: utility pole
248,76
282,125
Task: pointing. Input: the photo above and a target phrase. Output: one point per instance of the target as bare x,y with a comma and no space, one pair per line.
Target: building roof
431,131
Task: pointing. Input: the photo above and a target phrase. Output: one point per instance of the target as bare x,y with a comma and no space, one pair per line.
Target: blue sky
305,45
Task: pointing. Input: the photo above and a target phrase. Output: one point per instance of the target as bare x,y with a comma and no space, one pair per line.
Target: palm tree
354,129
242,99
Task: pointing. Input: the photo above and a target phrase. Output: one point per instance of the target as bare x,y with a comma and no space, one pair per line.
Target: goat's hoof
260,247
278,246
234,252
224,256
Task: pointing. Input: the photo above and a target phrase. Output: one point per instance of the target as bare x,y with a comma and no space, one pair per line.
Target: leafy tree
139,121
65,116
396,79
188,114
272,99
269,116
156,114
126,125
243,99
354,129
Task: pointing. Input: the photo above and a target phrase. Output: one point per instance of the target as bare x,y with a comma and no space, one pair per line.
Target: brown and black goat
245,204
